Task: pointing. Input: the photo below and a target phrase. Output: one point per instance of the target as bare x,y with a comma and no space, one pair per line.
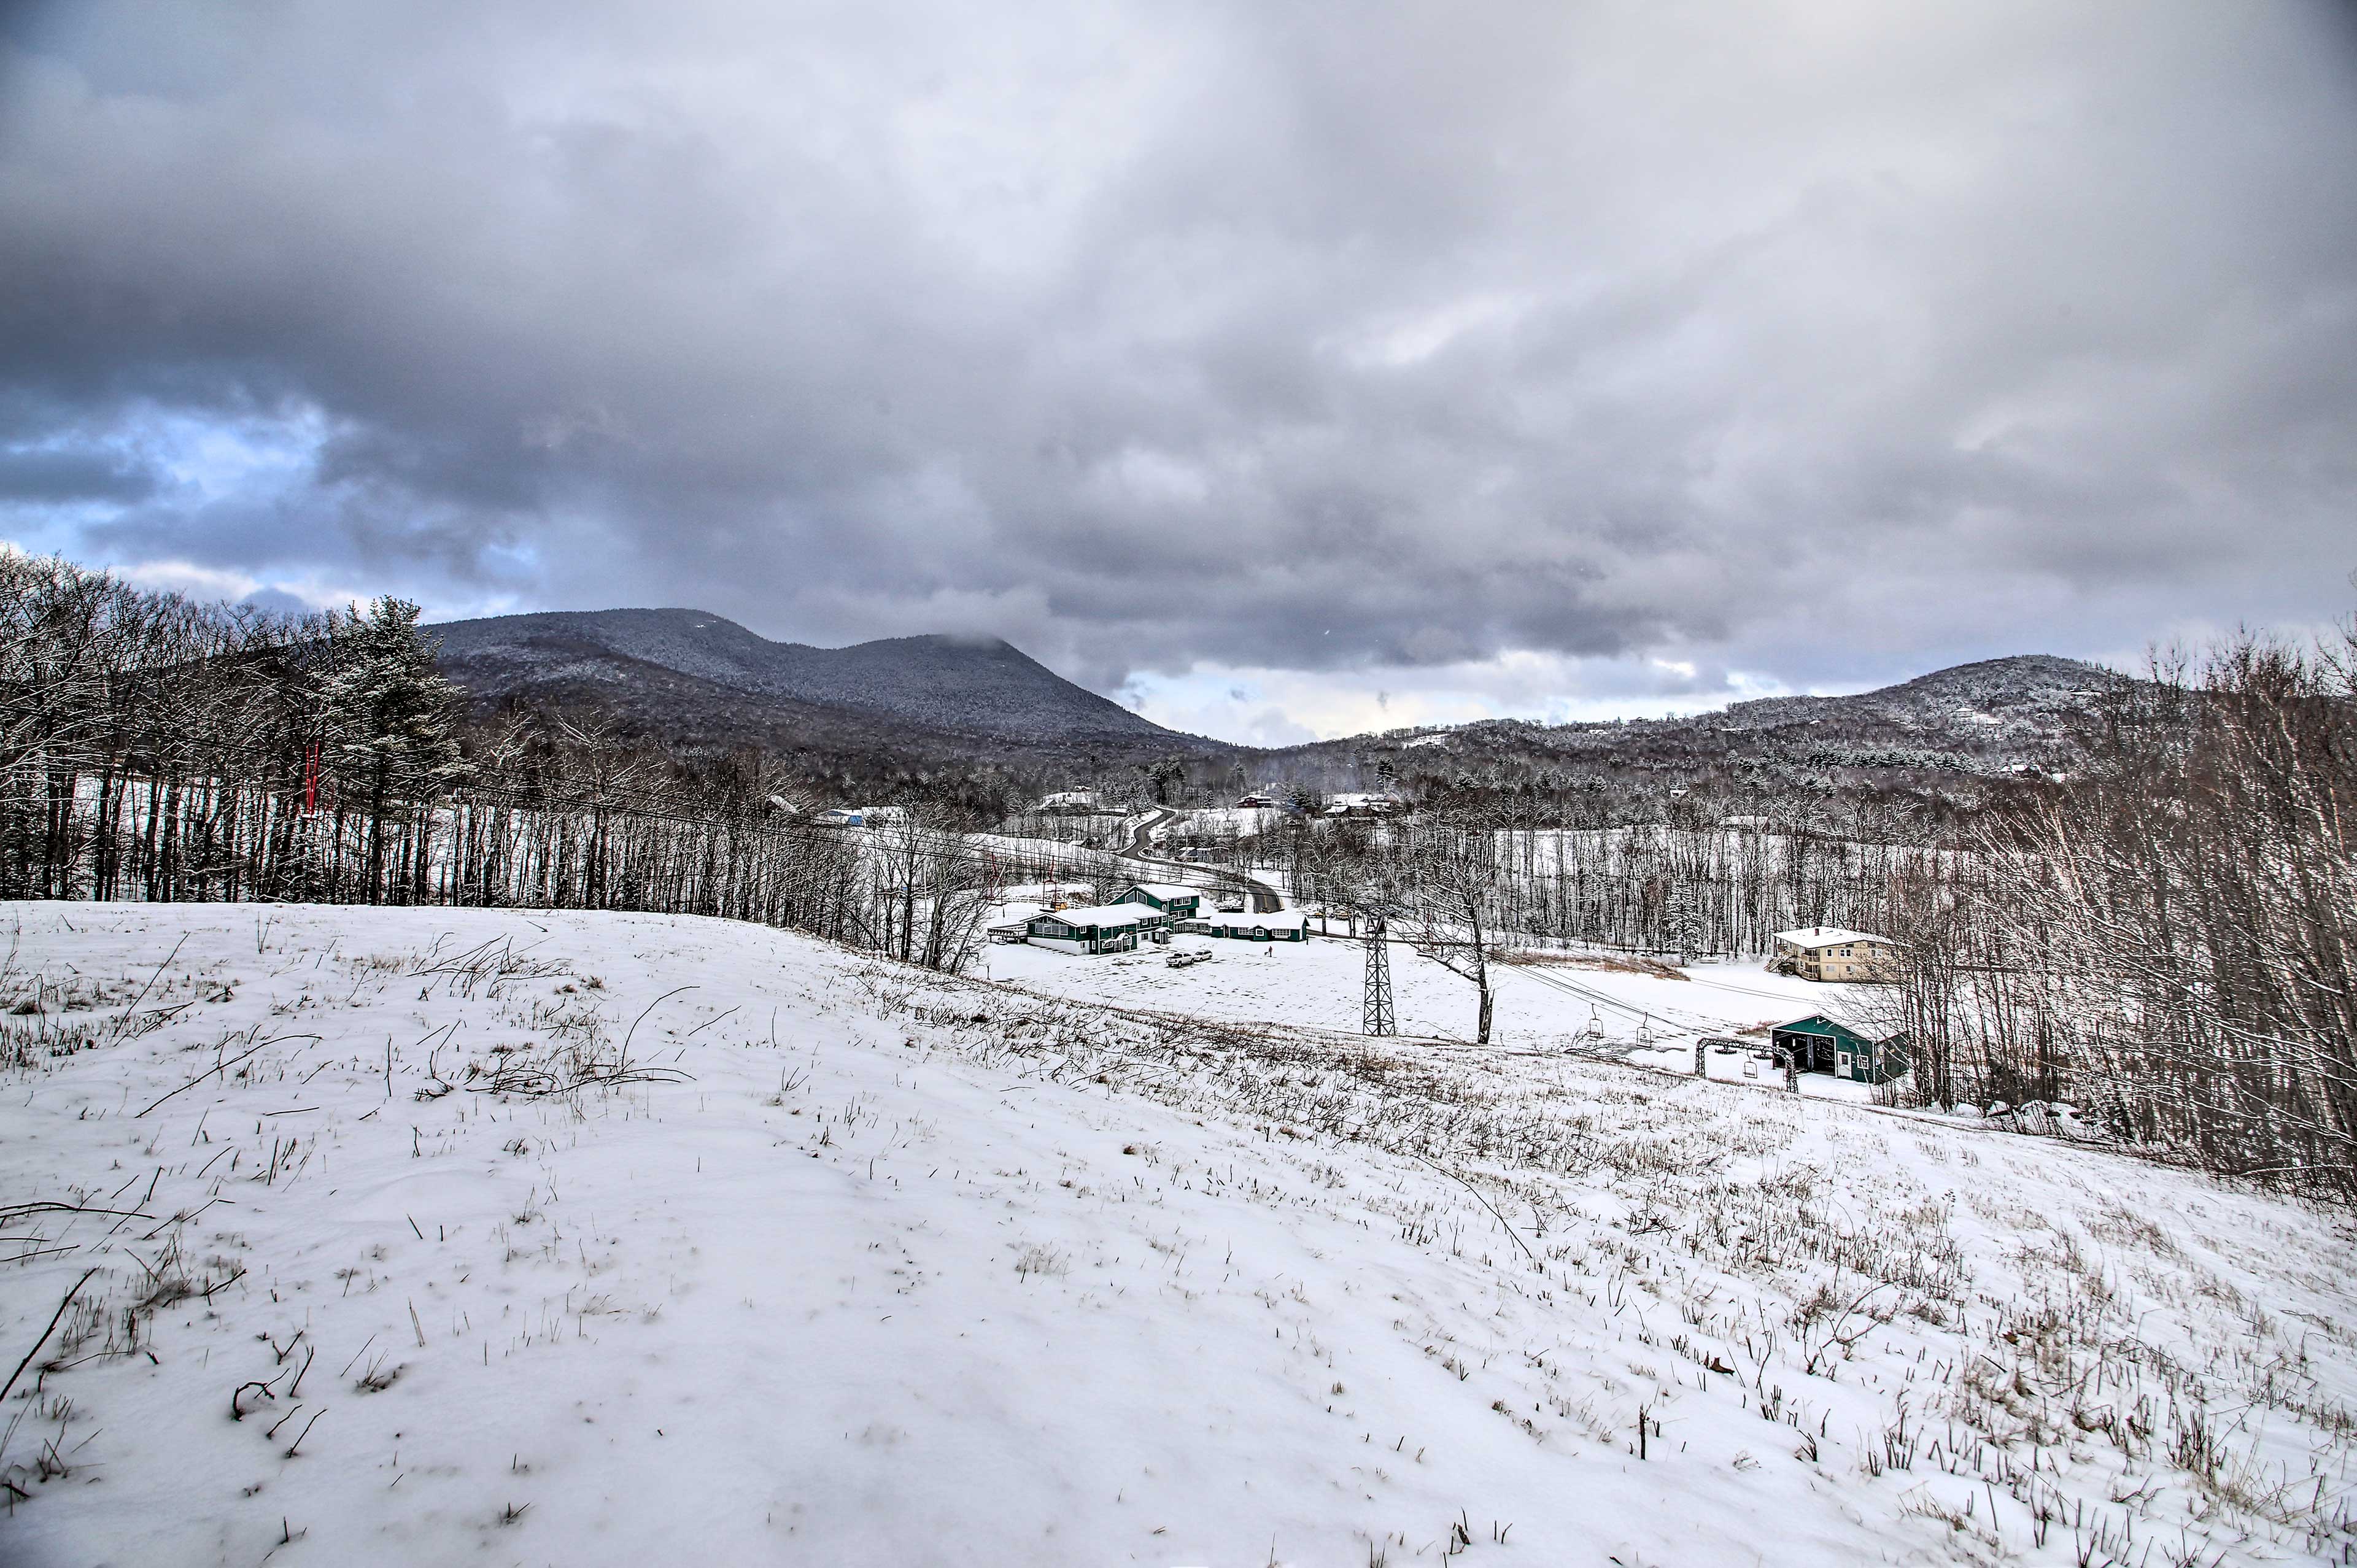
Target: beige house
1829,953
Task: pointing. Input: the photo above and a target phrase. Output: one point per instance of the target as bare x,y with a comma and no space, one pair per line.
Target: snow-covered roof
1873,1034
1825,937
1099,915
1166,890
1276,920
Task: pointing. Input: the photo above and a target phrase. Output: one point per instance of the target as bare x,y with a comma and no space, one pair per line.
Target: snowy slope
885,1268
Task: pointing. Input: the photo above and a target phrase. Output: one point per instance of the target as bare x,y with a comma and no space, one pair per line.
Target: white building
857,816
1832,952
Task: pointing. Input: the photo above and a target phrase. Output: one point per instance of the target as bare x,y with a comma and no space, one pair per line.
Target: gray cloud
50,475
1827,341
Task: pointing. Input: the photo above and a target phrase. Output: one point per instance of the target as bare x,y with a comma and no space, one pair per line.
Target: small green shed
1819,1044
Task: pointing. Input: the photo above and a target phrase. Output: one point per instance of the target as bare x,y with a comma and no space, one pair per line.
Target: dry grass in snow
360,1235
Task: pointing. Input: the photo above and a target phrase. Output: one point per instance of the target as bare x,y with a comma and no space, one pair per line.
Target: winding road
1265,898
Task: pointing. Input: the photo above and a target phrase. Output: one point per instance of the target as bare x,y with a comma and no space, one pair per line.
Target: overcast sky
1284,368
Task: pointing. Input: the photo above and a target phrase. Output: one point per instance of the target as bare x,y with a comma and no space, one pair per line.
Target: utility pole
311,854
1376,1011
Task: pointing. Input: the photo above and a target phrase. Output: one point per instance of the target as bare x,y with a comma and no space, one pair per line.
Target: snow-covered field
851,1264
1321,984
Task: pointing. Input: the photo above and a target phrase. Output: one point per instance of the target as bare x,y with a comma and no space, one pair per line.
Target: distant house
1829,953
857,816
1282,926
1095,929
1256,801
1069,801
1356,803
1817,1044
1165,898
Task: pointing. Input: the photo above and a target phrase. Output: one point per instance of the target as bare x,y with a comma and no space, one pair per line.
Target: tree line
1692,884
2166,939
154,747
2169,940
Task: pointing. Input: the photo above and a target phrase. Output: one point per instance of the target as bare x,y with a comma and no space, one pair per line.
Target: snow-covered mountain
1987,716
698,669
700,680
2027,697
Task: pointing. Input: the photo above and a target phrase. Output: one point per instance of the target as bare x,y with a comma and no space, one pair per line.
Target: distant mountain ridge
1987,716
889,706
686,660
2026,695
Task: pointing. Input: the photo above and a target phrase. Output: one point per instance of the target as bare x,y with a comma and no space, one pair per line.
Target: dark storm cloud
1826,341
46,474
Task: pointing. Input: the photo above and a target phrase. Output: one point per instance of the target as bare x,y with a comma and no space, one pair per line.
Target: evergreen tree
391,723
1685,923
